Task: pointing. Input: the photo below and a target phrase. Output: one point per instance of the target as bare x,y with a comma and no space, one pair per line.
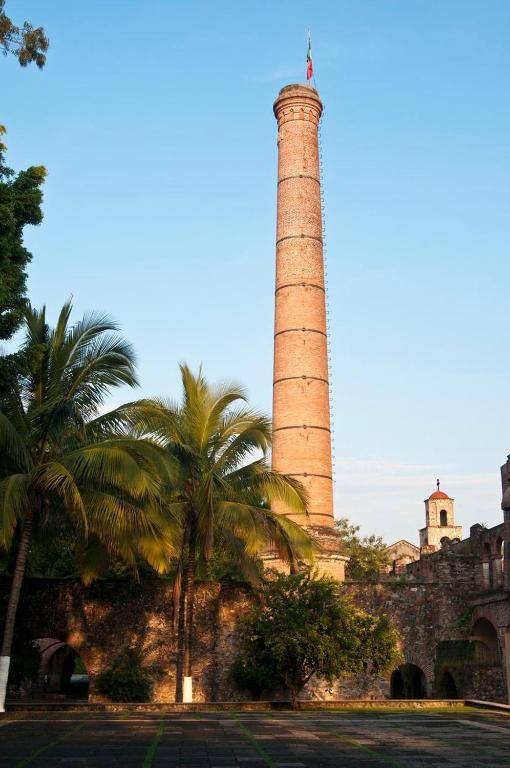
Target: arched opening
408,682
443,518
63,673
447,686
499,562
397,685
486,566
485,637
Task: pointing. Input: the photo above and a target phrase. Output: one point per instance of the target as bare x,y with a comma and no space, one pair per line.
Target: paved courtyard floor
341,739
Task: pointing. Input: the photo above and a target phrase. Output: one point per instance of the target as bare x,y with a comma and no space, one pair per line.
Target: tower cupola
439,520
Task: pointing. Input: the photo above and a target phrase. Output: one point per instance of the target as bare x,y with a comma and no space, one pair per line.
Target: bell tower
439,521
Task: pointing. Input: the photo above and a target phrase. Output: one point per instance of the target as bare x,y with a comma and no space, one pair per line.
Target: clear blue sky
154,120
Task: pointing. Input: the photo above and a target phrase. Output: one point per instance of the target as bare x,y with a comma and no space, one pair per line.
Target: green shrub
125,680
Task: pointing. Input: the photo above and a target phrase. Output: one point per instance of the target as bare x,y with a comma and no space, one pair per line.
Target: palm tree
222,491
58,455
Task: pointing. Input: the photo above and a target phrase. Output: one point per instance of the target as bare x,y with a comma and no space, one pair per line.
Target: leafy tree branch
29,44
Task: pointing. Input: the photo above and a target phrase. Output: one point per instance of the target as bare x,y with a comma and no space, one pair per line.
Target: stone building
400,554
440,522
440,529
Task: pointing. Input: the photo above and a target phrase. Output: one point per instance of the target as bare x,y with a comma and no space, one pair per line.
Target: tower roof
438,494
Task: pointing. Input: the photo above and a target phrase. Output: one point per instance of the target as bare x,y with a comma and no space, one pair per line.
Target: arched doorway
448,686
397,685
63,673
408,682
485,637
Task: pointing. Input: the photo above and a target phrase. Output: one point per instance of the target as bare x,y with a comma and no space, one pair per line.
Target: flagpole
308,53
310,74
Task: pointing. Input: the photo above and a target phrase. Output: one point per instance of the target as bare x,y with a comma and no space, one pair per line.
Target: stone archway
487,662
408,682
447,686
397,685
485,635
63,672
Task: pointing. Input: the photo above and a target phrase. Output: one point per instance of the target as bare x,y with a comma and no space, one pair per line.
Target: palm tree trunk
181,626
12,607
190,599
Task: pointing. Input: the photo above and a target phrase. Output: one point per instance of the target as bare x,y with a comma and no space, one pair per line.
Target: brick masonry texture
301,415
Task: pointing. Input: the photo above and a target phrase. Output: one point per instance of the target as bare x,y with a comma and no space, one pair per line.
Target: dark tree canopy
27,43
20,204
305,627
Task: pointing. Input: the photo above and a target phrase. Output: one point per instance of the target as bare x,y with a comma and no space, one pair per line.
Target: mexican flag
309,62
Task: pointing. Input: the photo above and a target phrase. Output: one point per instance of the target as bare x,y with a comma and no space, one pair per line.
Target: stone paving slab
460,739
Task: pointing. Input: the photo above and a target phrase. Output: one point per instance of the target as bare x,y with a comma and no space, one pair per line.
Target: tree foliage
20,204
29,44
57,457
222,490
305,627
367,554
59,464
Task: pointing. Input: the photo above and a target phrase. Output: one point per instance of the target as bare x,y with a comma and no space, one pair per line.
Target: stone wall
100,621
486,684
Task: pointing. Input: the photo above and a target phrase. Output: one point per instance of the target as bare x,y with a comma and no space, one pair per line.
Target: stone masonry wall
100,621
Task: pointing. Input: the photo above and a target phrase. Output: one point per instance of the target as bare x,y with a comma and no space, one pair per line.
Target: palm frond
219,400
245,522
290,540
247,433
156,551
60,332
12,446
70,344
258,479
36,329
14,505
248,564
92,560
112,516
107,362
134,465
54,478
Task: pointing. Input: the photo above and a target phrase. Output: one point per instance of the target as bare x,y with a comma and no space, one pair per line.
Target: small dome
438,495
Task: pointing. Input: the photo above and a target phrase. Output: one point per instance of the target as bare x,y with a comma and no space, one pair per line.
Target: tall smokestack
301,417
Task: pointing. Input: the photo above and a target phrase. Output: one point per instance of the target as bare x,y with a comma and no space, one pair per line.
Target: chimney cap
298,86
298,95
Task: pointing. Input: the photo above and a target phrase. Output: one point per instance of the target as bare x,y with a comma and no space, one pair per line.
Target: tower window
443,517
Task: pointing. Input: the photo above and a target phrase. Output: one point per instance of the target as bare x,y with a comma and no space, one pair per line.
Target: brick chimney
301,416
